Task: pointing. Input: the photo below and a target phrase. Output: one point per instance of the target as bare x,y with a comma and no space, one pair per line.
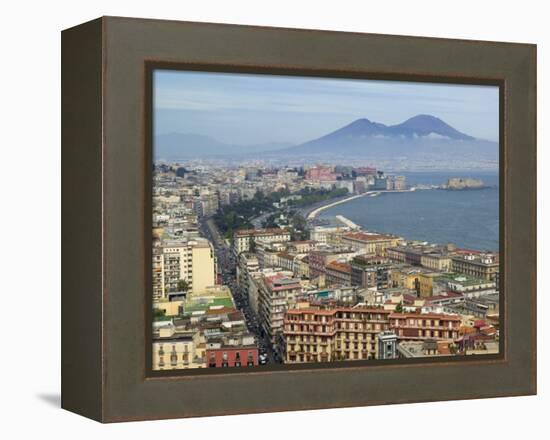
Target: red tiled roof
426,316
339,267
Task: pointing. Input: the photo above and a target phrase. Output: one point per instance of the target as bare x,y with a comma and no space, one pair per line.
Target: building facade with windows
232,356
173,350
325,335
242,239
478,265
369,243
338,274
191,261
276,294
414,326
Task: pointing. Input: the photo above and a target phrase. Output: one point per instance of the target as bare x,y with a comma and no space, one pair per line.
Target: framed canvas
264,219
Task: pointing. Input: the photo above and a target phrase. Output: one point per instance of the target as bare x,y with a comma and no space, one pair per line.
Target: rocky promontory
458,183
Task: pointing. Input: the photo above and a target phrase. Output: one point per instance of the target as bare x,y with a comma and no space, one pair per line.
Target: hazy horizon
288,109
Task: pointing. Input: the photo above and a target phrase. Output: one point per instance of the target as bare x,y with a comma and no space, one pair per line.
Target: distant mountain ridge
426,125
420,126
178,146
423,141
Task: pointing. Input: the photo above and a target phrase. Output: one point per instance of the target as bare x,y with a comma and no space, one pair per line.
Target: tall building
246,264
192,261
210,203
158,273
370,271
277,293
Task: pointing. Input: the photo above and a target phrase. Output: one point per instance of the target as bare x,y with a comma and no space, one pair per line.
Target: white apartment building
242,239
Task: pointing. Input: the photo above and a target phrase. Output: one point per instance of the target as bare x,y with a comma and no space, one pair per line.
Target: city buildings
190,261
338,274
232,352
277,293
477,264
370,271
243,240
321,174
178,350
324,335
243,293
369,243
412,326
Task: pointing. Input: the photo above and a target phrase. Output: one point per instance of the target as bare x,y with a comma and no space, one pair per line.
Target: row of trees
312,196
238,215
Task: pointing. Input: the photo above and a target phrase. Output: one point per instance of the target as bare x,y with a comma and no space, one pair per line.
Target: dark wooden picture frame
106,214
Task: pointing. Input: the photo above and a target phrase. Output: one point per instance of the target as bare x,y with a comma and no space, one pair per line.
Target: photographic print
319,220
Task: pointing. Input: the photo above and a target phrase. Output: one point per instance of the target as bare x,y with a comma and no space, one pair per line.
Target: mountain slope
427,125
363,133
421,141
177,146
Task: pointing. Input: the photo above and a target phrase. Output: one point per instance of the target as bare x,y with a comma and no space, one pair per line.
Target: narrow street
227,265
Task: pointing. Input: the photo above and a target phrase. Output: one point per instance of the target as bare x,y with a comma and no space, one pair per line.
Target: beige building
324,335
323,234
426,283
369,243
478,265
242,240
173,350
192,261
436,261
407,277
170,308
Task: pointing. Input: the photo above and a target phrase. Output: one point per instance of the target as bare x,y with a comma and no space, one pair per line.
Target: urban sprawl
246,274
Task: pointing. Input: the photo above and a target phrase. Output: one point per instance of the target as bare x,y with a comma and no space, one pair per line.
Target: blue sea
469,219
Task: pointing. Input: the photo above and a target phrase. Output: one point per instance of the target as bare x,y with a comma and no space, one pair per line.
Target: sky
263,109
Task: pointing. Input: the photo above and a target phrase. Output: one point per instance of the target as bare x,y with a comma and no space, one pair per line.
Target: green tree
183,286
159,313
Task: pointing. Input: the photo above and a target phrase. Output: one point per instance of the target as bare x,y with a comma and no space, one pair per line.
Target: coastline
311,215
